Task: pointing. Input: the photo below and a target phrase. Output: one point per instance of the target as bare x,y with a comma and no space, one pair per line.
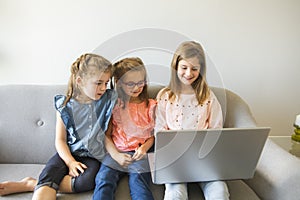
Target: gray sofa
27,125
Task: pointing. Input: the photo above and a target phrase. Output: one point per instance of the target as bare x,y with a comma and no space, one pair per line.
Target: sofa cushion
15,172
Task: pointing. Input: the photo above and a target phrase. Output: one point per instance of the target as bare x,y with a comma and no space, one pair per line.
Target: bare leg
27,185
65,185
10,187
48,193
44,193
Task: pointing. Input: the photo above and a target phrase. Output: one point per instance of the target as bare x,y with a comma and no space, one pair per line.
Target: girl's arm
63,149
141,151
215,116
160,116
123,159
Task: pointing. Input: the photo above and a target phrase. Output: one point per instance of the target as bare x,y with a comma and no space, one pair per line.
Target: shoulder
212,95
59,101
163,93
212,99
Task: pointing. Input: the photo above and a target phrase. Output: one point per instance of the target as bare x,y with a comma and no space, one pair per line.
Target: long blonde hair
130,64
81,68
186,50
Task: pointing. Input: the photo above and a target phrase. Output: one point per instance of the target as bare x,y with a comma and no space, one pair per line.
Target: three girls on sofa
84,116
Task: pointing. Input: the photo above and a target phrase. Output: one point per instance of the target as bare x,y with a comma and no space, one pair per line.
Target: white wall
253,45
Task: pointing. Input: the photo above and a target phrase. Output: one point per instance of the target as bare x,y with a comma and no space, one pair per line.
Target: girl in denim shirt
82,119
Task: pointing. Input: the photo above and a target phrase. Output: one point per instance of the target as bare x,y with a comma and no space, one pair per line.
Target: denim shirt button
40,123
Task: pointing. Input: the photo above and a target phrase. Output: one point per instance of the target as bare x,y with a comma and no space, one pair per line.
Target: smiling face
188,71
93,85
132,83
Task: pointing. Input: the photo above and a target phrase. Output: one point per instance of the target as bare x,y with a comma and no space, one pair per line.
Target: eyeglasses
132,84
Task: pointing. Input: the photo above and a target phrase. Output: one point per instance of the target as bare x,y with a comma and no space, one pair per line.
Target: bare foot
10,187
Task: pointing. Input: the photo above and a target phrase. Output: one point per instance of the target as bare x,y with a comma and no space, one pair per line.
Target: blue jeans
111,172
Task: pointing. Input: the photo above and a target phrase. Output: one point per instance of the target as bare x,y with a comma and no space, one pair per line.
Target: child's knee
215,190
176,192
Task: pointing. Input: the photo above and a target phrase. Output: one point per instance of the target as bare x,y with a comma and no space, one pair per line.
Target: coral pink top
132,125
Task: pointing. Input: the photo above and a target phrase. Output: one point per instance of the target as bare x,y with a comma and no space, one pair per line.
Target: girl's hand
76,167
140,153
123,159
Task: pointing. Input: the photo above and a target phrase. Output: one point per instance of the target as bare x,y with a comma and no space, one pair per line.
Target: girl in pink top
130,134
188,103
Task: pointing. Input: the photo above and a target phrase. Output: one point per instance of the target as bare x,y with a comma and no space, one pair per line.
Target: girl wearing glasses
130,134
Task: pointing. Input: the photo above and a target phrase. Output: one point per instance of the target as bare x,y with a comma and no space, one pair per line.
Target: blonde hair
81,67
130,64
186,50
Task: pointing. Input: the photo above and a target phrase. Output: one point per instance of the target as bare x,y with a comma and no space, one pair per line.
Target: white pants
214,190
176,191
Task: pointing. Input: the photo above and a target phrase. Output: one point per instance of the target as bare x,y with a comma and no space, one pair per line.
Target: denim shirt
87,142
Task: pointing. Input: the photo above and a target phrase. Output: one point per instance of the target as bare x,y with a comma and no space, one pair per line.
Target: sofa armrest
235,110
238,112
277,175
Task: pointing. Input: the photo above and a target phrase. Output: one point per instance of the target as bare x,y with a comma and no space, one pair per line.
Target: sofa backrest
27,119
27,122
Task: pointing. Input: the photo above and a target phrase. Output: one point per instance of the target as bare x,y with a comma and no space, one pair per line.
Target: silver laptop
206,155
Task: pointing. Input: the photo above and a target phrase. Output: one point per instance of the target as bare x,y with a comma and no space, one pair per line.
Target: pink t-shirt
133,125
186,113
